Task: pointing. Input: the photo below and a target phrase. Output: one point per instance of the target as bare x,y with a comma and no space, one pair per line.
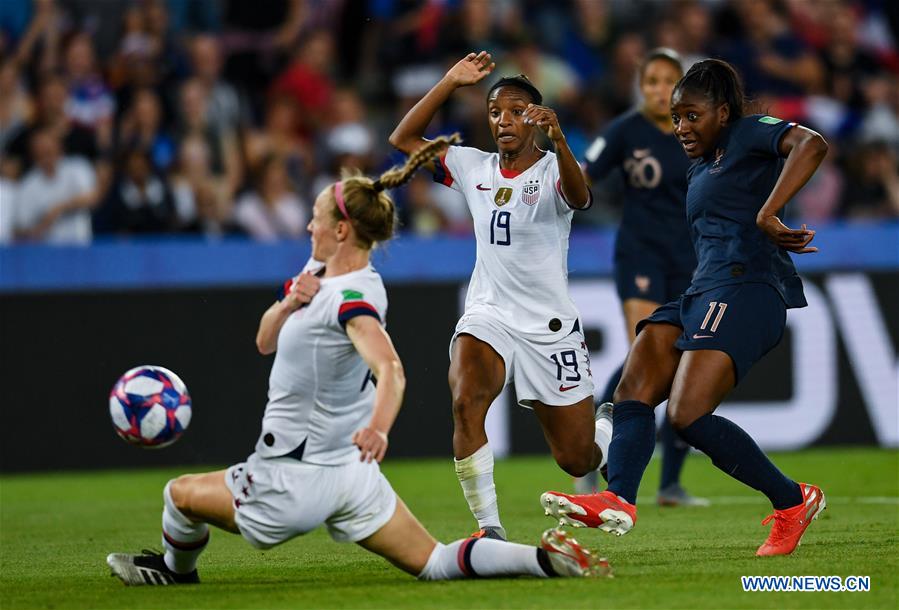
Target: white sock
603,437
182,539
473,557
587,484
476,477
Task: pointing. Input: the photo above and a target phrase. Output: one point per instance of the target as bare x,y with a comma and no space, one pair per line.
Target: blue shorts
745,321
649,280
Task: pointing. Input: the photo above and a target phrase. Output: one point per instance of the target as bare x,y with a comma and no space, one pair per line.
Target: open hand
794,240
372,444
471,69
545,118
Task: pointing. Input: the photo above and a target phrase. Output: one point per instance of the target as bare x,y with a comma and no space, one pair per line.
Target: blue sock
734,452
614,380
633,441
674,452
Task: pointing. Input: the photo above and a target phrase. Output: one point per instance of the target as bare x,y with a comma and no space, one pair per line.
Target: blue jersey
726,191
654,165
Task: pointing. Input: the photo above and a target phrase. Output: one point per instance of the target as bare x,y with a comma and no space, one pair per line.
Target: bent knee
641,389
680,417
577,464
180,492
471,404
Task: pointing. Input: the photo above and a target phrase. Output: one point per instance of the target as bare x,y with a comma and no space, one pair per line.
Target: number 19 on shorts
566,361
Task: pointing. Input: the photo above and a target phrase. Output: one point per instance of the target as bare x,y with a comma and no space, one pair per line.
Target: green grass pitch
56,530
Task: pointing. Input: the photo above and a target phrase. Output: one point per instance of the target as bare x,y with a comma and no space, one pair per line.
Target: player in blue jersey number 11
694,350
654,256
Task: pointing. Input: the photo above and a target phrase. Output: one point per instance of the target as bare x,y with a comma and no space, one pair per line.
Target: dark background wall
61,353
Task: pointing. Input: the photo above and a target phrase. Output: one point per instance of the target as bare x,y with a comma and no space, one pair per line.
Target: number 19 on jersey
500,228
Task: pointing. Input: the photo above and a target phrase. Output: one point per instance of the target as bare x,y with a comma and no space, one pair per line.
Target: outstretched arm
574,186
409,134
804,150
374,345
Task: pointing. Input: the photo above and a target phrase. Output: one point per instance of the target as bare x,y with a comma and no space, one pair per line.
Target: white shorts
276,499
556,374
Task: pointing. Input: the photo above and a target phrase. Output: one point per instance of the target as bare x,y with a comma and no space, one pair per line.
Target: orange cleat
568,558
605,511
790,524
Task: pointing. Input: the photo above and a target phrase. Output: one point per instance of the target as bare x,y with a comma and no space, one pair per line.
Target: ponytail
718,82
396,176
368,207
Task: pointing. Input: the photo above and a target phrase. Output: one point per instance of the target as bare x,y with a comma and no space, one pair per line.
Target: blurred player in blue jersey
694,350
654,256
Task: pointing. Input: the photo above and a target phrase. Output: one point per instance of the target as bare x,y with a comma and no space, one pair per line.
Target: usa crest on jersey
530,193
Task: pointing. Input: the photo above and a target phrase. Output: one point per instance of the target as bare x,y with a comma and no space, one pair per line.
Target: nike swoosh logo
481,187
564,389
698,336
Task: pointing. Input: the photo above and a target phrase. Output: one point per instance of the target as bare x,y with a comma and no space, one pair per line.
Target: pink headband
338,197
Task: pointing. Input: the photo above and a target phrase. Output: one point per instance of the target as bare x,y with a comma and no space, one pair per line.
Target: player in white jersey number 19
520,323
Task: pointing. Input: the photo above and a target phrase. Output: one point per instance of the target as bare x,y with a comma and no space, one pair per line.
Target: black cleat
147,569
494,532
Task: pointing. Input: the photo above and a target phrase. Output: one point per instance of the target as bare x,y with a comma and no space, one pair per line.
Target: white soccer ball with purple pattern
150,407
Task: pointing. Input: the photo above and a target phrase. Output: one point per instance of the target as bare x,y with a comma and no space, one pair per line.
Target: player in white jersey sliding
325,425
519,322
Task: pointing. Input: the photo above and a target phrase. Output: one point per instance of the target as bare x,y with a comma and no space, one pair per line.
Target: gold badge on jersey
503,196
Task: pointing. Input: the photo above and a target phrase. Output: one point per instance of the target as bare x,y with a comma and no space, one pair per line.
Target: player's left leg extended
476,377
673,449
190,503
703,379
405,543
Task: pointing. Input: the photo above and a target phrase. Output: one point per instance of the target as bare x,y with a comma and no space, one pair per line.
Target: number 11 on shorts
708,316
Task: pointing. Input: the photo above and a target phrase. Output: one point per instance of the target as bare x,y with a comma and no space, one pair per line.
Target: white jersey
521,223
320,389
38,193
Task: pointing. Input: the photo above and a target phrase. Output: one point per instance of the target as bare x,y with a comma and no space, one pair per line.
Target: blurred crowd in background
227,117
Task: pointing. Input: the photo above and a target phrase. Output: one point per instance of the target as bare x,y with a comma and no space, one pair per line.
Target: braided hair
369,208
718,82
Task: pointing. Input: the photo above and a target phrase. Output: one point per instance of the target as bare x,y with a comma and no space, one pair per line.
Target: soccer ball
150,407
